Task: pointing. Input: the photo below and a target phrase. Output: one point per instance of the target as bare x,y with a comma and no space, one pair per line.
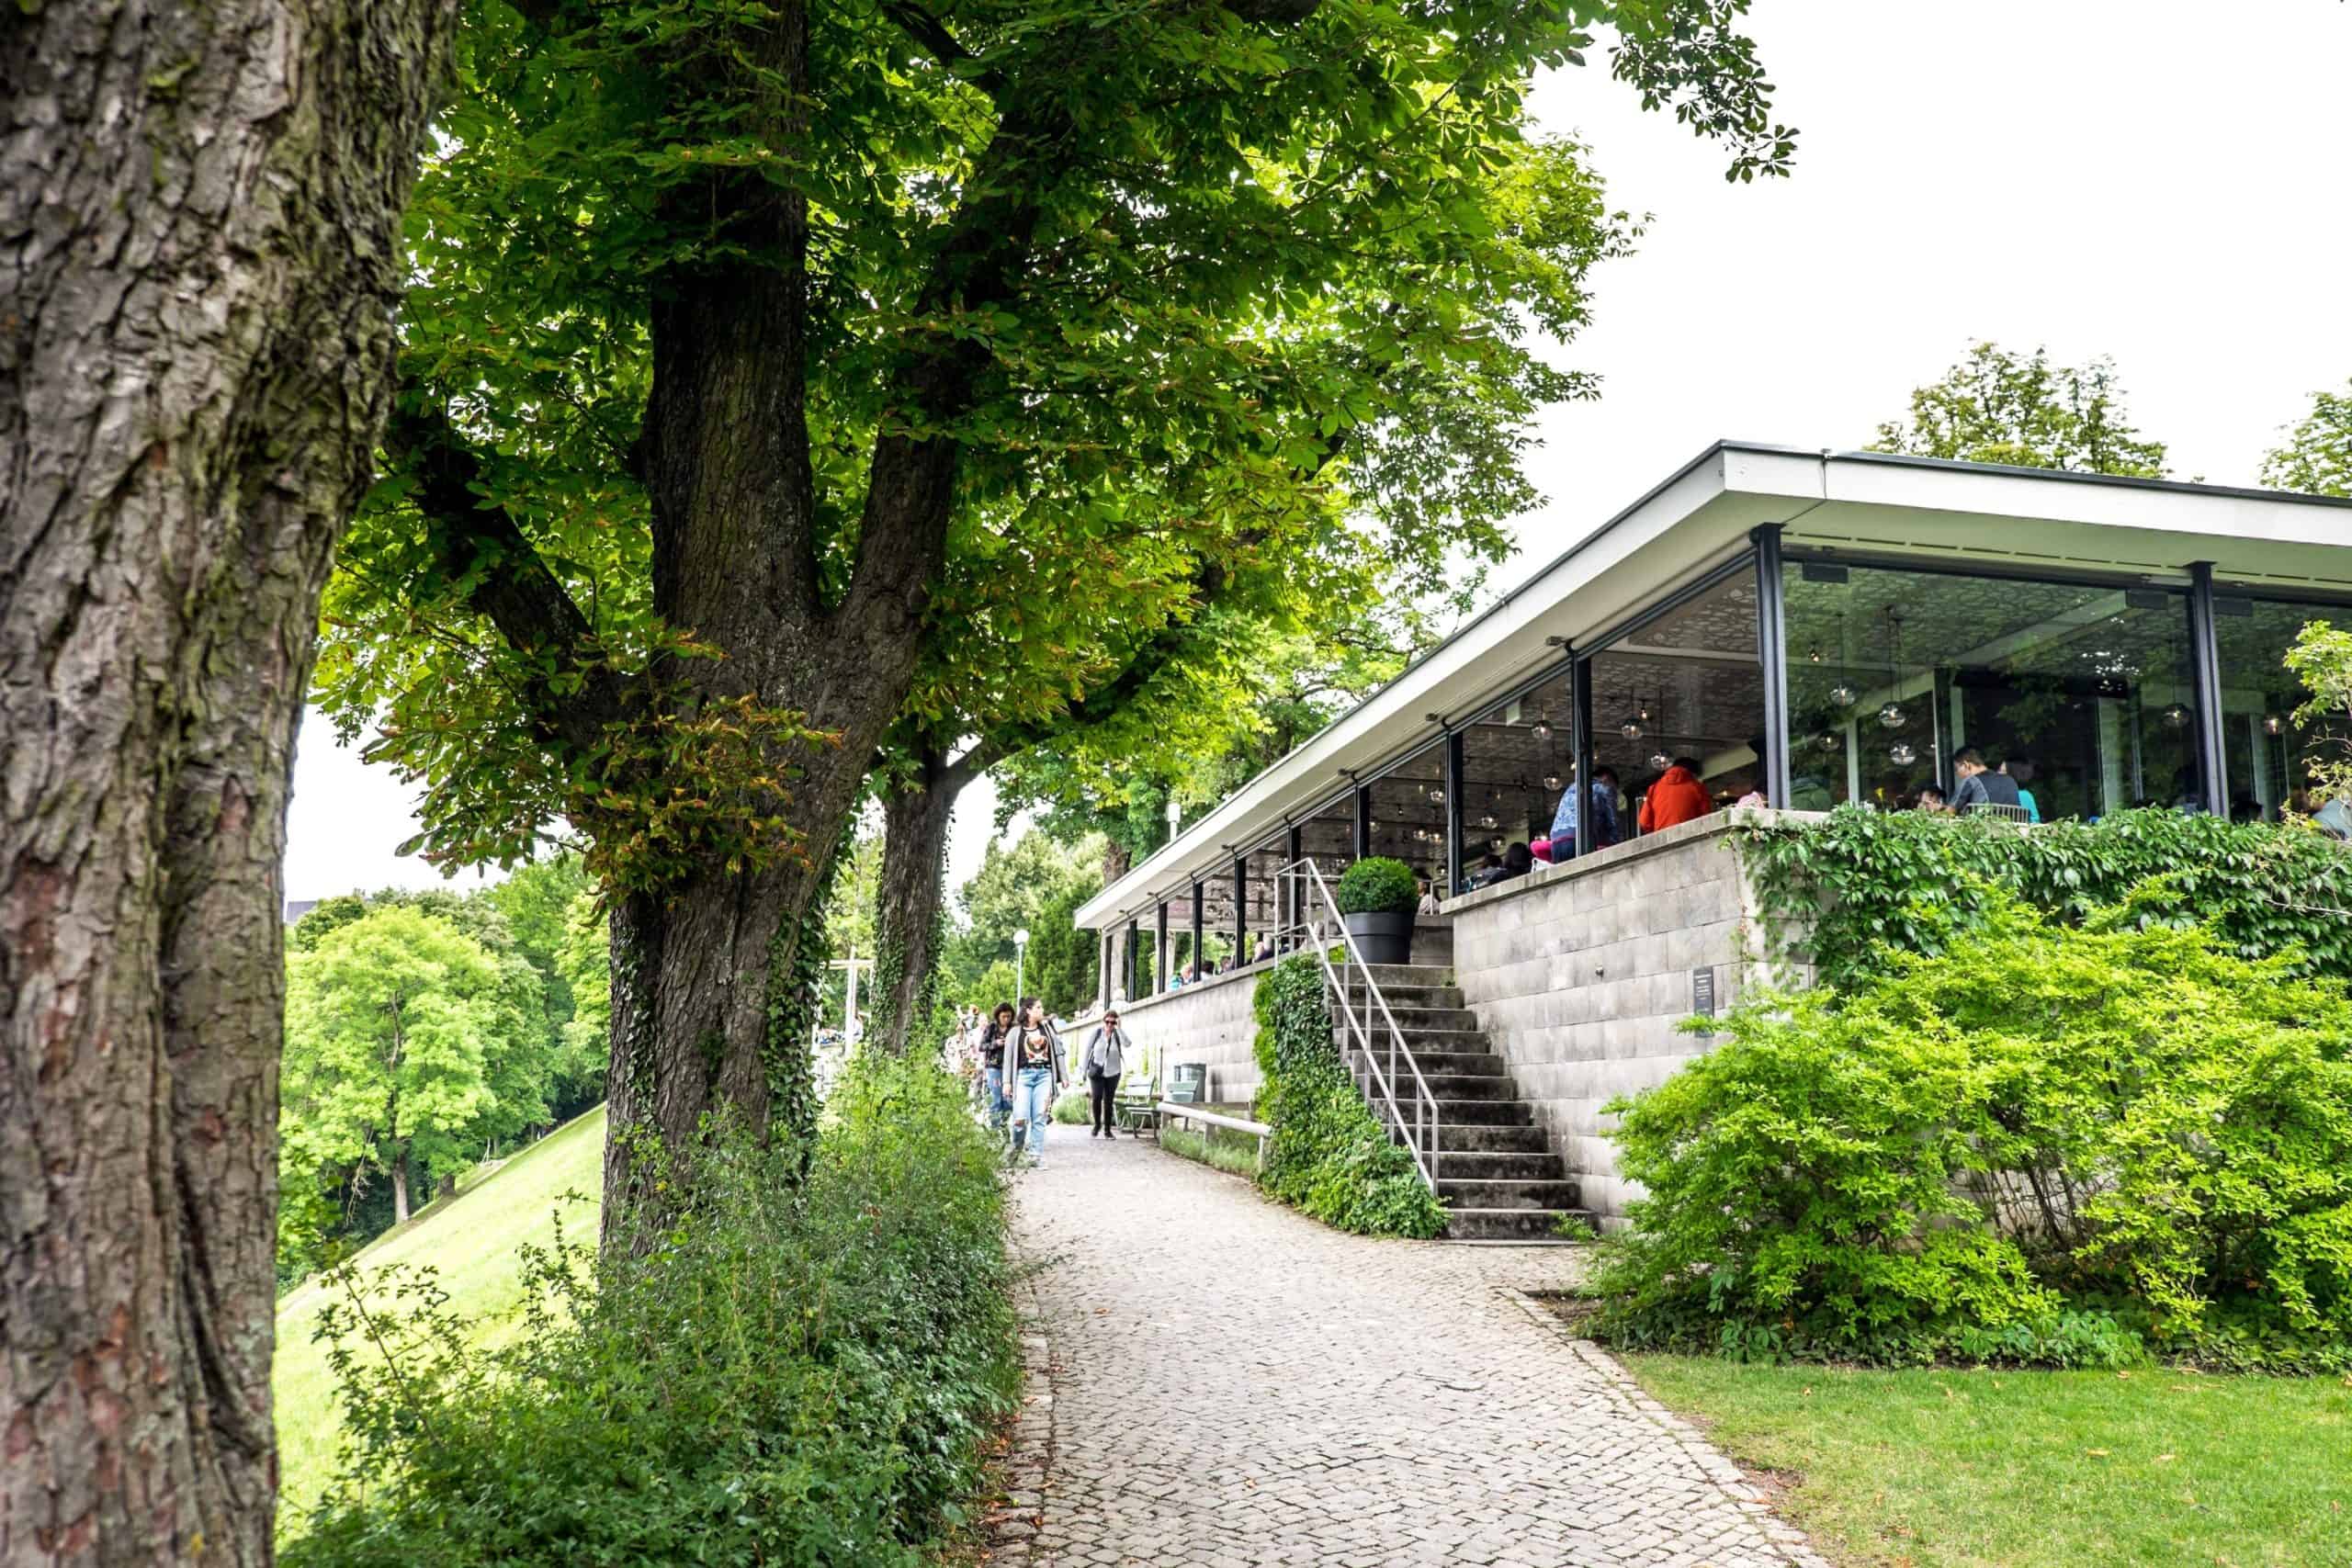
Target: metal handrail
1306,928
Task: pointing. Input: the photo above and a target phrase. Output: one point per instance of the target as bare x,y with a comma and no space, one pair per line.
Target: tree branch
508,583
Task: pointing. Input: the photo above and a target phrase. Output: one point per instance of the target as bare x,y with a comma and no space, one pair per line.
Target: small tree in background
1999,407
392,1032
2317,456
2322,659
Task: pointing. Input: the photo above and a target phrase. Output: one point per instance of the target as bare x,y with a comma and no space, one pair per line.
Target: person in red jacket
1677,797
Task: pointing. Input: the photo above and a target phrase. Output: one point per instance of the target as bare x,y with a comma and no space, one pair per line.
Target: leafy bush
2047,1143
1328,1155
1378,886
1861,880
802,1370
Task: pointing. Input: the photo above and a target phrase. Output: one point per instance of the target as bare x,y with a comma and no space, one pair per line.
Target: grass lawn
1945,1469
473,1239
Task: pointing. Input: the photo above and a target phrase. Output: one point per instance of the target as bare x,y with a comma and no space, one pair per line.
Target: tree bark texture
714,974
914,856
200,220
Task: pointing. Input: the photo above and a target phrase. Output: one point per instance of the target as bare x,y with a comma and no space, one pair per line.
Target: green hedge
803,1370
1863,879
2047,1143
1329,1153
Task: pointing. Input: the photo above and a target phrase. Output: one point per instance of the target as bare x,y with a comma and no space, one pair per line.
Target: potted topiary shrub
1377,898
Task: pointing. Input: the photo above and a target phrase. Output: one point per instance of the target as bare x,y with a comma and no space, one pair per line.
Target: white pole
1020,964
848,999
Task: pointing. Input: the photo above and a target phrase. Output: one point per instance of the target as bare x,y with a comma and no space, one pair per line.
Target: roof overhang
1864,503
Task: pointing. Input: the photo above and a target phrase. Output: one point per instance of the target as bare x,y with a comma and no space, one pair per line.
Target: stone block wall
1209,1022
1579,974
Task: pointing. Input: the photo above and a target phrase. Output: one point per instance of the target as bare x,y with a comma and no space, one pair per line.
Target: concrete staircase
1497,1175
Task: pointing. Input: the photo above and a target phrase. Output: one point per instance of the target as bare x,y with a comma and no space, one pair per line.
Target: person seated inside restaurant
1930,799
2022,770
1677,797
1488,867
1979,784
1562,844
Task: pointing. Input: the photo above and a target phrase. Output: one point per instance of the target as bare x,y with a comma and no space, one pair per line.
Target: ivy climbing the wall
1846,886
1329,1155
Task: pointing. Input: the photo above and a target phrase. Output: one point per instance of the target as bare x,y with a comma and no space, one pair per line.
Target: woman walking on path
988,1044
1033,1071
1105,1060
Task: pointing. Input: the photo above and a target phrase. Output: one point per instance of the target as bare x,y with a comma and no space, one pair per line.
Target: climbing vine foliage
1330,1156
1860,884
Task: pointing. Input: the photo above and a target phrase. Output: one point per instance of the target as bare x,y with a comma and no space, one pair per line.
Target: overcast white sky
2156,181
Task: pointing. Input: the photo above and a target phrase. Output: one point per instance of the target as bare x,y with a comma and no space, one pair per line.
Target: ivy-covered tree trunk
911,898
201,209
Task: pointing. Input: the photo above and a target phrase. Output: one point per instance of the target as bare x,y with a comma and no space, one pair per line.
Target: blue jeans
1000,1105
1033,1101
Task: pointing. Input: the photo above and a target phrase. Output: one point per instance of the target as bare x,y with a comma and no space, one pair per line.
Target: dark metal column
1454,810
1772,651
1198,968
1128,967
1108,945
1364,821
2205,673
1293,889
1240,909
1580,762
1159,950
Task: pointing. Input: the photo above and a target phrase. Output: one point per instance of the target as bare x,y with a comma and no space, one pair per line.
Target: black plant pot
1383,938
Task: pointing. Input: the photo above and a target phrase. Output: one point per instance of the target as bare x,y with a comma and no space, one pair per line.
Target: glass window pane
1515,763
2269,753
1682,692
1409,812
2081,692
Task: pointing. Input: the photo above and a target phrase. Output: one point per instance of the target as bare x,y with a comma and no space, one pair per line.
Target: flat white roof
1862,503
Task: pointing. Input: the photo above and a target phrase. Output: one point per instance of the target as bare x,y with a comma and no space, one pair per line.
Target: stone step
1492,1138
1507,1224
1505,1193
1477,1113
1539,1164
1409,1007
1410,1016
1442,1085
1481,1064
1387,975
1416,1038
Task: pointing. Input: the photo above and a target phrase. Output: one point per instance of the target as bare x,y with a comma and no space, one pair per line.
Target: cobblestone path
1217,1381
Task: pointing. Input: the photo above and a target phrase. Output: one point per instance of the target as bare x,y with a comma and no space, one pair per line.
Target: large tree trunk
914,854
400,1188
200,215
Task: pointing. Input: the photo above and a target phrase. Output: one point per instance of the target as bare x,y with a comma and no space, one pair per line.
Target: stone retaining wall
1580,974
1209,1022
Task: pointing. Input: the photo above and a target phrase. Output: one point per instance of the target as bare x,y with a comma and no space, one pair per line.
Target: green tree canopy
393,1028
1999,407
777,374
1020,885
2316,458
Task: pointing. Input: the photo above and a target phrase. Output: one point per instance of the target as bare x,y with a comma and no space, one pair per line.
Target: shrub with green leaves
1378,886
2046,1143
1328,1155
802,1370
1859,881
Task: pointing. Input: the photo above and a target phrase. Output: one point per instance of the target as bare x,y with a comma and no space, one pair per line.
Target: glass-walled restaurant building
1800,630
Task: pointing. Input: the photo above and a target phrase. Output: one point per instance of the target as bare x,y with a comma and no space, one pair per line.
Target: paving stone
1220,1382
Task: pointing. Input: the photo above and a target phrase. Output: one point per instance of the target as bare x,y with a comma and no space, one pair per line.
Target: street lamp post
1020,962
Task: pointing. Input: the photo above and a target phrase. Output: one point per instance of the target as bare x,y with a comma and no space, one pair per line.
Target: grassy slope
473,1240
1973,1469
